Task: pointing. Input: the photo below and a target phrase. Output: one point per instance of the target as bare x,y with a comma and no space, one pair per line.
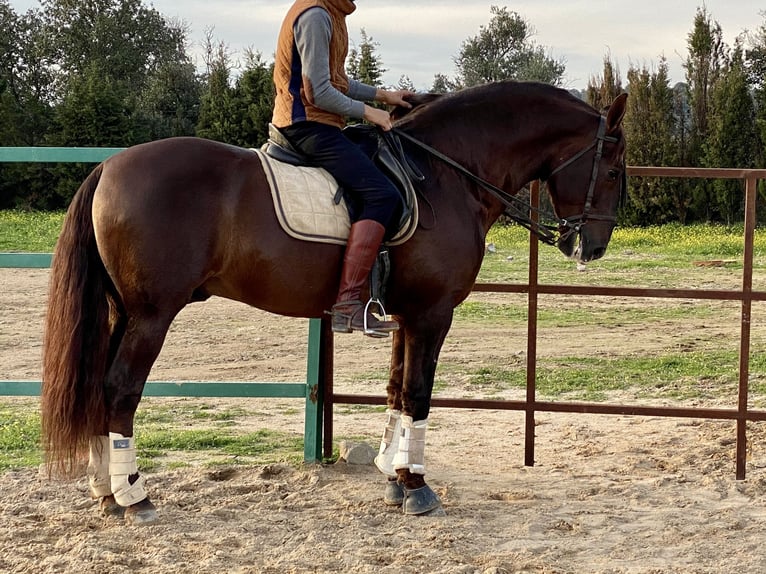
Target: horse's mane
509,90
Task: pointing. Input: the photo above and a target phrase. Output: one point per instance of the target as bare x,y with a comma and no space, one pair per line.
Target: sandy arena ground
611,494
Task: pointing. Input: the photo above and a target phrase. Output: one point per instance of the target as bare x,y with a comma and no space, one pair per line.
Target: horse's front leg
389,443
414,367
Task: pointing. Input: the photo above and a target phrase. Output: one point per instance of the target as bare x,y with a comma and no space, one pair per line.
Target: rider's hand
380,118
394,98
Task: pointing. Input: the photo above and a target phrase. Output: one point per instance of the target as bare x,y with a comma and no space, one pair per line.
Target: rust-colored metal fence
746,295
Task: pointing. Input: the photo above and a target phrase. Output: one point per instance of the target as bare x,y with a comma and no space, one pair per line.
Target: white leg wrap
98,467
122,463
412,444
389,444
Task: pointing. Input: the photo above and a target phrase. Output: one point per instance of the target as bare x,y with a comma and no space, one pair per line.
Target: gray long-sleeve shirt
312,31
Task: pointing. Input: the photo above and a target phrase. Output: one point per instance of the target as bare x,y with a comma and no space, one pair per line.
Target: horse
167,223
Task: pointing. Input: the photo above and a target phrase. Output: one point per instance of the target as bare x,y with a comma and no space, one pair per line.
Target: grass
650,255
168,436
25,231
19,437
187,432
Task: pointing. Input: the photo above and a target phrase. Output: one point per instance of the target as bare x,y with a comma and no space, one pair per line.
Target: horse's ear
416,100
616,113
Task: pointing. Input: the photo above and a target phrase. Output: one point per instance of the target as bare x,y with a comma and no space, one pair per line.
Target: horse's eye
613,173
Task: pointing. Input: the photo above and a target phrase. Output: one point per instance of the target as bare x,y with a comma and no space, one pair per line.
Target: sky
418,38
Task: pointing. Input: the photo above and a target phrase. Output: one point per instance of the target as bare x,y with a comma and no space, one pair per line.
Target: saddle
384,148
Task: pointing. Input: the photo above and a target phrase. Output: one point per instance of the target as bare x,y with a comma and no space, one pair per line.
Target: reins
518,209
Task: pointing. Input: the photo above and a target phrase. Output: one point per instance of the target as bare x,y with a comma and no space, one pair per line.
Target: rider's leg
379,201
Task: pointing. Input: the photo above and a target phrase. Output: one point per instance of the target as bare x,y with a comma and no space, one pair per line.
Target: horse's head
586,184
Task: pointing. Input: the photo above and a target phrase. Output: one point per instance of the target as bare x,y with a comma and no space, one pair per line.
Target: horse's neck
506,159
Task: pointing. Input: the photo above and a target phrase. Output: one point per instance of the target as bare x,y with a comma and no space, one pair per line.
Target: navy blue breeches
372,194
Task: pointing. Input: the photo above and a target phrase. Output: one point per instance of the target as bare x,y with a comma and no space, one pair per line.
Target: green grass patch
19,438
27,231
660,256
261,446
552,314
163,435
677,376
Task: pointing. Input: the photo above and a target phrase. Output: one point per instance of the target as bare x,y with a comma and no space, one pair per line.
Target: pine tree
253,102
216,104
602,91
650,127
755,60
364,64
732,138
706,55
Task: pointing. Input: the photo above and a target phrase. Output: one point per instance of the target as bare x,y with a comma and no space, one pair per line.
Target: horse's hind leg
98,476
98,459
129,369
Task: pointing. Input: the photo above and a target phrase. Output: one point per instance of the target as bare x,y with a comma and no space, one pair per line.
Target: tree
364,64
25,105
169,104
128,39
755,61
139,55
504,50
601,92
650,128
405,84
732,139
215,115
443,84
253,101
706,54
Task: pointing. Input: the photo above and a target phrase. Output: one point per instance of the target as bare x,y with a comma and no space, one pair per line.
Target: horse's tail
76,338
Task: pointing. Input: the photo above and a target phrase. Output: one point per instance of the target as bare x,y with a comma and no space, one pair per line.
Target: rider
313,98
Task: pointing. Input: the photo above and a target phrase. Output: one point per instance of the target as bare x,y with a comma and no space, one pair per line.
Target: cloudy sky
420,38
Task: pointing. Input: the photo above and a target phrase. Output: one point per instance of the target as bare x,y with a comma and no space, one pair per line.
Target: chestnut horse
167,223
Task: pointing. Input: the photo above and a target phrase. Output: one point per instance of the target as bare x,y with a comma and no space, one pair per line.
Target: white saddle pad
304,201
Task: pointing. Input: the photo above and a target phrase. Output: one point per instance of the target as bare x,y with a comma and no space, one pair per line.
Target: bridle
574,223
519,210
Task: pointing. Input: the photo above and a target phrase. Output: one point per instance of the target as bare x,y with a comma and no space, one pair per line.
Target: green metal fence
310,390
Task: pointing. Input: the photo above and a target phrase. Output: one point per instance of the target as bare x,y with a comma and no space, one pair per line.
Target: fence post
312,434
744,347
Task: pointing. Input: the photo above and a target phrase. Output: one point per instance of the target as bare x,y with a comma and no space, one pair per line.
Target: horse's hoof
394,493
420,501
140,513
108,507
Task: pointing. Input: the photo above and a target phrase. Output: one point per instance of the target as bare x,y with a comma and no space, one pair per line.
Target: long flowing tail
76,338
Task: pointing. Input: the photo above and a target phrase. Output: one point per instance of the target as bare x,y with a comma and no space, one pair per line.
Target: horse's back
182,219
166,212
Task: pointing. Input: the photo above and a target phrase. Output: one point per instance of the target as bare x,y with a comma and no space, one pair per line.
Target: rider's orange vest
294,99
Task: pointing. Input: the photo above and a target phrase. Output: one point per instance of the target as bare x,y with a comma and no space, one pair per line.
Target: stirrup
367,313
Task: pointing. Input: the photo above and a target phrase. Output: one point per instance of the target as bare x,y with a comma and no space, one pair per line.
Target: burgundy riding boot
348,314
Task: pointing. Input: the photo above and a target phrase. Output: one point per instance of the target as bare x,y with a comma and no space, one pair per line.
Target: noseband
574,223
518,209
